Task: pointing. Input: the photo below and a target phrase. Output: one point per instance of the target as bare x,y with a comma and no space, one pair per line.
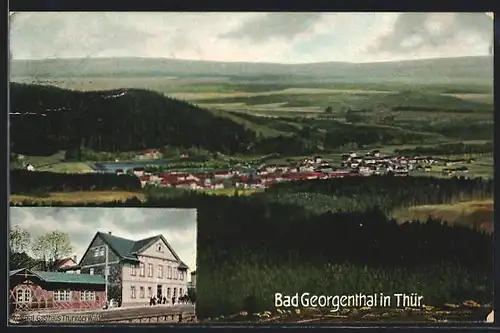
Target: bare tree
52,246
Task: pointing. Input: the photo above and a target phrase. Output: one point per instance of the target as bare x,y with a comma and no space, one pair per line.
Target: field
74,198
474,214
230,191
57,163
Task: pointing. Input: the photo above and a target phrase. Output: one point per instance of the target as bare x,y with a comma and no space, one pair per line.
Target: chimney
74,259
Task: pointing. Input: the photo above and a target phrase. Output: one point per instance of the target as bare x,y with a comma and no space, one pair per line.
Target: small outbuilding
37,290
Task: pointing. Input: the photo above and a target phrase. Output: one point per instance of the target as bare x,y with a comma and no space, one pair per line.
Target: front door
158,291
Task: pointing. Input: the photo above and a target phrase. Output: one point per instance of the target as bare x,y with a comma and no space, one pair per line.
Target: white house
137,270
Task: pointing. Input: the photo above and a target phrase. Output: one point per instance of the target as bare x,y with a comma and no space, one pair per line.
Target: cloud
178,226
274,26
250,37
414,32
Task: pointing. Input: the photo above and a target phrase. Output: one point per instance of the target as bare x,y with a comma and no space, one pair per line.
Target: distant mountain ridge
478,68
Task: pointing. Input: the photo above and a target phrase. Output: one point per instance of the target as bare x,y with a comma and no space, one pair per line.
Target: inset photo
89,265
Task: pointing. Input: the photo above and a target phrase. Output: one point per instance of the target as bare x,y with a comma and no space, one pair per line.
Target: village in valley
263,175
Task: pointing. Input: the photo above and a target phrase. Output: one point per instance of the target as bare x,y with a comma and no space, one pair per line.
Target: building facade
37,290
137,270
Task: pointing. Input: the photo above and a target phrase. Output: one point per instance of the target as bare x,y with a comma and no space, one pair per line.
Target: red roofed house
68,265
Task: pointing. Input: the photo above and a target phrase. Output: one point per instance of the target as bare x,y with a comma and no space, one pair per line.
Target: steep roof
128,249
58,277
121,246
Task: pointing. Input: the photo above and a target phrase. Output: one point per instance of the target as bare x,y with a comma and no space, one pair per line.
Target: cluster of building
241,177
374,163
112,268
263,176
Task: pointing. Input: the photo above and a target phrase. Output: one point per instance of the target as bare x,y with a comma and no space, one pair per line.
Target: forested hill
47,119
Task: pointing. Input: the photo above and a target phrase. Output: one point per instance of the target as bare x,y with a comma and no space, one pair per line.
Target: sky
178,226
276,37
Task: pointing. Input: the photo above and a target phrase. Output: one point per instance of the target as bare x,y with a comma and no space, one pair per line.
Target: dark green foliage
23,181
192,295
21,260
461,129
132,120
458,148
354,117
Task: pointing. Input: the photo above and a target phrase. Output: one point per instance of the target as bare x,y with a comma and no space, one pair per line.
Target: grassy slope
71,198
57,163
475,214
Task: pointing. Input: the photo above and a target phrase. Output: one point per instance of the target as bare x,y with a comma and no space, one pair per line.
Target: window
96,252
160,271
181,275
150,292
150,270
101,251
87,295
141,292
169,272
23,295
168,293
133,270
91,271
141,267
159,248
132,292
176,274
180,292
62,295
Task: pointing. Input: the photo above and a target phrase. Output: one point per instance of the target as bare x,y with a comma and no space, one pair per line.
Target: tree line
24,181
459,148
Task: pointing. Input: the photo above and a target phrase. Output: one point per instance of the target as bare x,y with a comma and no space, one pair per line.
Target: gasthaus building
36,290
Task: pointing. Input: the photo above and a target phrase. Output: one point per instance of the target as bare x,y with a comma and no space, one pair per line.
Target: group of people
154,300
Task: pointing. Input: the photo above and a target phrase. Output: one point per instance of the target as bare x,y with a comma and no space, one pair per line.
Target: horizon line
249,62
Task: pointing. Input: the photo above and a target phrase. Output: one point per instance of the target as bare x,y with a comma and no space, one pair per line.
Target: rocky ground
468,311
